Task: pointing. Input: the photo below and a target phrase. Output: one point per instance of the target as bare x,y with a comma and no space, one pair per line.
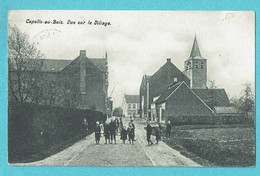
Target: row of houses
183,96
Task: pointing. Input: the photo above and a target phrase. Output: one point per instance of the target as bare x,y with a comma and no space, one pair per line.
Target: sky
139,42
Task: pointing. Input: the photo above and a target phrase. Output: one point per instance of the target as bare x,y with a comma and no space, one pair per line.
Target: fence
36,131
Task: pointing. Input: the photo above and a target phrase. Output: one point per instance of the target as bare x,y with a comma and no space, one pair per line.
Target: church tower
195,68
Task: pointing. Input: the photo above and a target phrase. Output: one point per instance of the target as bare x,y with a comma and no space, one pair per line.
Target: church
181,95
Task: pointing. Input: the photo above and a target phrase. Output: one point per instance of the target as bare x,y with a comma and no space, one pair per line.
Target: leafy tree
24,67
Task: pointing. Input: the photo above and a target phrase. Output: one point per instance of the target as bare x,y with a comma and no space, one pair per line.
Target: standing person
101,127
85,128
132,122
131,133
124,134
168,129
149,133
158,133
97,132
113,131
107,132
117,125
120,124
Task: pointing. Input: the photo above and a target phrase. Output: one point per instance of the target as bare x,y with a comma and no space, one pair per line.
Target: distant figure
168,129
157,134
120,124
117,125
97,132
101,127
124,134
131,133
112,126
149,133
107,132
132,122
85,128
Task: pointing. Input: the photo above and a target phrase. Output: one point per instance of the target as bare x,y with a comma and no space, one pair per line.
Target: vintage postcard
131,88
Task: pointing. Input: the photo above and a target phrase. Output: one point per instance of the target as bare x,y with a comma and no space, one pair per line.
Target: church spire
195,49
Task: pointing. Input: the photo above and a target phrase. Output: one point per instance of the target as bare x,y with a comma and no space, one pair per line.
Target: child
107,132
124,134
97,132
157,134
131,133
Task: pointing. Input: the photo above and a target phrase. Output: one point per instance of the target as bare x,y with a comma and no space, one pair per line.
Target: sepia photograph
131,88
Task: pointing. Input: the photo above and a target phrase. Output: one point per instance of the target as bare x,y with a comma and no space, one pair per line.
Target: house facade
179,101
130,105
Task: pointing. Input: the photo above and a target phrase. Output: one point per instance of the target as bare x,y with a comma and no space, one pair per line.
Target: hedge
36,131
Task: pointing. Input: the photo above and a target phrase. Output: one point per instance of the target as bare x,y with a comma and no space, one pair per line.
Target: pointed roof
195,49
168,91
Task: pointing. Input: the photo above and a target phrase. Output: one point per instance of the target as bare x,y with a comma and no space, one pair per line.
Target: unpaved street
87,153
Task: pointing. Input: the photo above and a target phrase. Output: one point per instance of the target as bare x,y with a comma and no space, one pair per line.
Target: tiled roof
132,98
213,97
165,76
227,110
54,65
165,94
100,63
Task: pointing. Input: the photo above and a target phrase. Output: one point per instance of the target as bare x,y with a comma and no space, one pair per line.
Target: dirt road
87,153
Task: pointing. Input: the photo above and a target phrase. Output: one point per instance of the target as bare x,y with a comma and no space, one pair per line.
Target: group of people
112,128
157,131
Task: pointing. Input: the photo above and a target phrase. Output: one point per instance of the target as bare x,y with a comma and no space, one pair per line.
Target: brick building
80,83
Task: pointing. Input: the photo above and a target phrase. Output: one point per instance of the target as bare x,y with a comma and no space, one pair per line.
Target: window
129,106
196,64
129,112
201,65
188,65
134,106
175,79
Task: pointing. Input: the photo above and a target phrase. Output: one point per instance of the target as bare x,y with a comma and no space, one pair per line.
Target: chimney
168,59
82,53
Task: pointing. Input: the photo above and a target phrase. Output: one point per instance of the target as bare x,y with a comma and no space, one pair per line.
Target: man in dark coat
97,132
168,129
113,131
85,128
131,133
124,134
107,132
149,133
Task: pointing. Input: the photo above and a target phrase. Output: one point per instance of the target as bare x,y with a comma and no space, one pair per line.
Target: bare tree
24,66
212,84
246,102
